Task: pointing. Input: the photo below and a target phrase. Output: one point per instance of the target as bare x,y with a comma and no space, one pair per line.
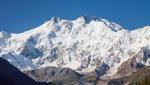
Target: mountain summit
84,44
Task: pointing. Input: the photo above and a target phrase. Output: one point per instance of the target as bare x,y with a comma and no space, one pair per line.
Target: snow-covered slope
82,44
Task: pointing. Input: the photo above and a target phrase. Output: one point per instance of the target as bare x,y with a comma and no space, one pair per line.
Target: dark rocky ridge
10,75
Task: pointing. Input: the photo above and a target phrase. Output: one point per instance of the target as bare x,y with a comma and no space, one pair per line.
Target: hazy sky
21,15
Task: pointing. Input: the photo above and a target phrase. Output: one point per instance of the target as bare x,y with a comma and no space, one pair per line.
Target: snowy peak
61,25
82,44
4,34
87,19
84,19
55,19
112,25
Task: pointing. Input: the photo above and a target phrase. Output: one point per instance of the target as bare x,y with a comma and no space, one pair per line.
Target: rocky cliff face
54,74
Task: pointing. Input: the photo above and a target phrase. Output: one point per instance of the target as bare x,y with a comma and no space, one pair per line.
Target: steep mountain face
86,44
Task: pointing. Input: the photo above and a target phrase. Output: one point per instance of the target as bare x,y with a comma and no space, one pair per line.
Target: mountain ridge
84,45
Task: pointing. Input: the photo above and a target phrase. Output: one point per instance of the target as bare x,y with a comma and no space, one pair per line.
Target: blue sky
21,15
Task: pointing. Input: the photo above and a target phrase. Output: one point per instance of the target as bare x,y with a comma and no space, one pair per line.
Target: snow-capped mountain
82,44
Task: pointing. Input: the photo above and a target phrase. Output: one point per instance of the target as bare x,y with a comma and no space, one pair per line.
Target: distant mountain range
87,46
